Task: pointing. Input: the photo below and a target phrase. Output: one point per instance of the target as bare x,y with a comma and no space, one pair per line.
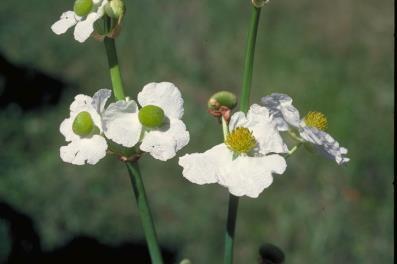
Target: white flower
310,128
123,126
245,162
88,148
84,25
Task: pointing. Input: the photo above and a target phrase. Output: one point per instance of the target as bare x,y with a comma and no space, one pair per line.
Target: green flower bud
83,125
115,9
151,116
82,7
222,98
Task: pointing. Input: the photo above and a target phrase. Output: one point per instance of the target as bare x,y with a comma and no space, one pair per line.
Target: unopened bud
115,9
222,98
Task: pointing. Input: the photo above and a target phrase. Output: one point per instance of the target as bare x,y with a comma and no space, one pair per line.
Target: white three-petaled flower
286,116
85,149
122,125
242,173
84,25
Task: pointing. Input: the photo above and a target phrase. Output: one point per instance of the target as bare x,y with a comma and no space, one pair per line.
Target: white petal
84,150
251,175
66,130
100,98
80,101
165,95
326,144
202,168
282,110
67,20
264,130
163,143
83,29
121,123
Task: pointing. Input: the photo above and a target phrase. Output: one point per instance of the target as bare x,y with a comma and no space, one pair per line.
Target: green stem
144,212
249,59
114,68
225,128
244,106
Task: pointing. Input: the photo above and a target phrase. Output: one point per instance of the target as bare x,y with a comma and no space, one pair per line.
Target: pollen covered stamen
317,120
240,140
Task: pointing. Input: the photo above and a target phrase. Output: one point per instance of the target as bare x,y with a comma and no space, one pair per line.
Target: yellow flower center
317,120
240,140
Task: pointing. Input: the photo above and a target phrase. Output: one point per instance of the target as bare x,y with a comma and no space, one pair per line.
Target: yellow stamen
240,140
317,120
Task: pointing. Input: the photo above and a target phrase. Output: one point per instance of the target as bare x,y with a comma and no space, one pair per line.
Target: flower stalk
244,106
144,212
115,74
133,167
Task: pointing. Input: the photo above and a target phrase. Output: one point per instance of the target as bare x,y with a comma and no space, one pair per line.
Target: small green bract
82,7
151,116
83,124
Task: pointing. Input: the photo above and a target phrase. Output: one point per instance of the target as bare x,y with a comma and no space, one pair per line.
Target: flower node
240,140
317,120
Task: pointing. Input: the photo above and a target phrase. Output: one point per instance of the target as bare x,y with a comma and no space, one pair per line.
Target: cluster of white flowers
125,124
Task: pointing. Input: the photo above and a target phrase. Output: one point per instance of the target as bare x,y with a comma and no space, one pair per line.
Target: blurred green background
332,56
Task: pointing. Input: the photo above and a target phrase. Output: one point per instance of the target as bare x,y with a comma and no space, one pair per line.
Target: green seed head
115,9
151,116
82,7
222,98
83,124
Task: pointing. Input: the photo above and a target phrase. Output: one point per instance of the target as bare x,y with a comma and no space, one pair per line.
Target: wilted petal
121,123
282,110
202,168
249,176
326,144
68,19
84,150
165,95
163,143
100,98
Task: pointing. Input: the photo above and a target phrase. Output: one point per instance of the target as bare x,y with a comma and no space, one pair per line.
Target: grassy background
331,56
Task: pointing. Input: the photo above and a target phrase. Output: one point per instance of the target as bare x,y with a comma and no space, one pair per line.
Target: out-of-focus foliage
331,56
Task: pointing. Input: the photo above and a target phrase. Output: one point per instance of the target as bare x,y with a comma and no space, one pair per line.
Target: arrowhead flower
157,124
245,162
310,128
83,129
85,14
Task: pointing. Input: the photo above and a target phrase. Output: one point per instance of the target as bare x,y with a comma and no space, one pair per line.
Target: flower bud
82,7
83,125
151,116
222,98
115,9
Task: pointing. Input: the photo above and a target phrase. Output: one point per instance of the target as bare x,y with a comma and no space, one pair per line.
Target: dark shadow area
270,254
27,87
26,248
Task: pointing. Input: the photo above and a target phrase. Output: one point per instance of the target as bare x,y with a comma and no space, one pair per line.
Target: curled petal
163,143
121,123
165,95
282,110
326,144
100,98
80,101
84,150
249,176
202,168
68,19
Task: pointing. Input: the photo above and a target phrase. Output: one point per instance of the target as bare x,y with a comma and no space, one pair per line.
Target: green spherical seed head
82,7
83,124
151,116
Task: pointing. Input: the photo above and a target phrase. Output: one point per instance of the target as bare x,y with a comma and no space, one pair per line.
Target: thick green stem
114,68
144,212
244,106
